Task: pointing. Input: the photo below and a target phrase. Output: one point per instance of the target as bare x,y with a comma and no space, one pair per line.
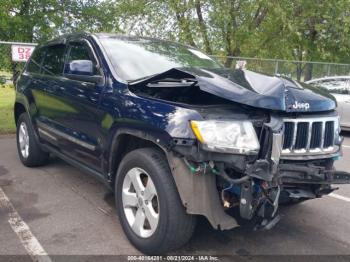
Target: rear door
47,82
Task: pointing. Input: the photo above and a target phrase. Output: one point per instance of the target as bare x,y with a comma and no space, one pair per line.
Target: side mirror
82,70
81,67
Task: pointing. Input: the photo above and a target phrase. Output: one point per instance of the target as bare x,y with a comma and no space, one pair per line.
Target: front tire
28,148
148,204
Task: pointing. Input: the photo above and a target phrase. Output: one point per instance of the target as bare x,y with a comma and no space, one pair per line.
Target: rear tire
28,148
174,227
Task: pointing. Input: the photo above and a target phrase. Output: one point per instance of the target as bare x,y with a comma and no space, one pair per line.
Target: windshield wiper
141,79
174,77
171,82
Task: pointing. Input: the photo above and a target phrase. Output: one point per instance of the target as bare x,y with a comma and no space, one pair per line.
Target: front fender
158,137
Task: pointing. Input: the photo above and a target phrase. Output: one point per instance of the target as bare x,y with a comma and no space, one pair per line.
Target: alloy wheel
140,202
23,137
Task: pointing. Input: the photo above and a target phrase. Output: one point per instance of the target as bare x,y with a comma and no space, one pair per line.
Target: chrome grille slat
309,135
323,131
295,131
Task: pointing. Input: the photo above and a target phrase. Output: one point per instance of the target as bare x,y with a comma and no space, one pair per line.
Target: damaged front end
251,147
218,185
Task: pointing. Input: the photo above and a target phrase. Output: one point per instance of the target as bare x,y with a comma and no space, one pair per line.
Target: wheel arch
127,140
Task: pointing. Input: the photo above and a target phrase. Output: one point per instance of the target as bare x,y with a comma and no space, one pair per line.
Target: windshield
135,58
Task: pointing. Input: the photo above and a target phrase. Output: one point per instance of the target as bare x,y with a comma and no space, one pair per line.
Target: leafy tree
39,20
302,30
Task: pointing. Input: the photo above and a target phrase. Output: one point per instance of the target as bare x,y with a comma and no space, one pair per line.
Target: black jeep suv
176,135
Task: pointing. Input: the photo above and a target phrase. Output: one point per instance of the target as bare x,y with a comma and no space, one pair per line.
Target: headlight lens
226,136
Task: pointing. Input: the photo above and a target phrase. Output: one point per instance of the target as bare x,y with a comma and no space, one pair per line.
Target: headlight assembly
226,136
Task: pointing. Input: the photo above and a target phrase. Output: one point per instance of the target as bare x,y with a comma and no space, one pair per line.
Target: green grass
7,99
6,74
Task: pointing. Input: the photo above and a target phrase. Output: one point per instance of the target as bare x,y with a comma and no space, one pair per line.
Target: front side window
80,51
36,58
54,60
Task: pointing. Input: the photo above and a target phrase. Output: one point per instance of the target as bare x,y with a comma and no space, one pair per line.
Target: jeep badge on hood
298,105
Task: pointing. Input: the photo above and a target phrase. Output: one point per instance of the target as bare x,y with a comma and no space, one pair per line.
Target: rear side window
54,60
36,58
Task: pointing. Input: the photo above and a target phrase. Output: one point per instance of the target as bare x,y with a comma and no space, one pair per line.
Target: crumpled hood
255,89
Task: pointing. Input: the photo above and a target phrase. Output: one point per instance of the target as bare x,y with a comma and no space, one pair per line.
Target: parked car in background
175,134
339,87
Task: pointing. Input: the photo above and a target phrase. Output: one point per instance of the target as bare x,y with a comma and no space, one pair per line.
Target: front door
70,115
83,121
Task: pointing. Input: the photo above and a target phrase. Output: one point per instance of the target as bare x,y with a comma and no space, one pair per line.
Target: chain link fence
299,70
